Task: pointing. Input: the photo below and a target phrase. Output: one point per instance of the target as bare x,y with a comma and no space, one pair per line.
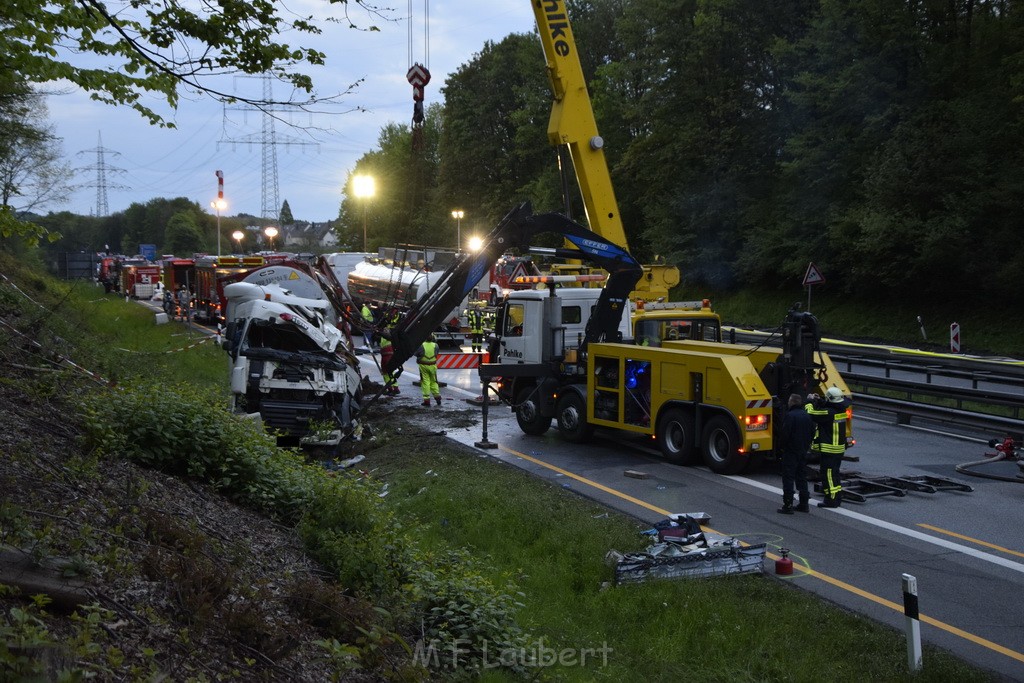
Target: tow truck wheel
721,446
572,419
675,436
529,418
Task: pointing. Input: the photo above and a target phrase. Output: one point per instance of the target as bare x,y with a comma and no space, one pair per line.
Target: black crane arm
515,231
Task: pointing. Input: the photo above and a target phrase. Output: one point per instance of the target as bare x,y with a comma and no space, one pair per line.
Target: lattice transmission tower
102,169
269,140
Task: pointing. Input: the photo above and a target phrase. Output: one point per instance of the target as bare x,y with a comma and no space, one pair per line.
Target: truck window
710,332
514,315
285,337
647,333
572,315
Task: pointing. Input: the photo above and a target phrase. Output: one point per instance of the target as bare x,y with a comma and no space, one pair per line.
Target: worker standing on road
426,358
829,415
368,332
476,328
184,303
795,437
387,350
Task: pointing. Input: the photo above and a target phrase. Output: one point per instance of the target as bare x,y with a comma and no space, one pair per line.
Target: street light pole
457,214
218,204
271,233
363,188
238,235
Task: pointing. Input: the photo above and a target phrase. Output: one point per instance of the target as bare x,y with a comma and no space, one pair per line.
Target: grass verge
551,542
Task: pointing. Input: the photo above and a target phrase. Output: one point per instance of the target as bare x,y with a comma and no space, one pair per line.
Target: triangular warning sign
813,275
518,271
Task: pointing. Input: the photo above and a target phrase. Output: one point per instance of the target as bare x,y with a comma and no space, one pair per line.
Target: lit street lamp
271,233
475,243
364,188
219,205
238,235
458,214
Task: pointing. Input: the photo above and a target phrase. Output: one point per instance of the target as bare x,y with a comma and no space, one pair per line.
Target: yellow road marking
978,640
971,540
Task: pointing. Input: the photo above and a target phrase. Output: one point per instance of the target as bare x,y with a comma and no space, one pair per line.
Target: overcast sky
143,162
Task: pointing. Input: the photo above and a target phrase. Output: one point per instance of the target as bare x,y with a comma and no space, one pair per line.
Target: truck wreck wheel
572,419
527,415
721,445
675,436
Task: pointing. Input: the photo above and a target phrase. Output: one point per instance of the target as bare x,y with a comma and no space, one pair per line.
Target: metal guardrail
985,398
992,382
909,412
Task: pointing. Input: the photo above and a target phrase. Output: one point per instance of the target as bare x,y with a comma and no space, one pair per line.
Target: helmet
834,395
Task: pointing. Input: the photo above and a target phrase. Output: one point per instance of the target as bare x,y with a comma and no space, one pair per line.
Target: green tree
32,174
147,223
140,42
493,150
183,235
134,52
285,215
401,210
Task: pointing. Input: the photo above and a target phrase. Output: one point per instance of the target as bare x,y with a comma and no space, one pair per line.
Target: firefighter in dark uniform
795,437
476,328
829,415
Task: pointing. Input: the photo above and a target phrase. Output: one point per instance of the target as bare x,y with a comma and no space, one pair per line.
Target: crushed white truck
291,364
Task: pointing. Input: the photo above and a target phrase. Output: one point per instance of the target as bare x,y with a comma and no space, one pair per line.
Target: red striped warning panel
458,361
761,403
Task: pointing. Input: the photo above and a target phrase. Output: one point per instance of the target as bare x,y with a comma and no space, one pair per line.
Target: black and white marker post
913,623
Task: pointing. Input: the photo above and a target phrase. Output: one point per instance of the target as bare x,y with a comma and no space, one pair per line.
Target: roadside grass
124,341
552,542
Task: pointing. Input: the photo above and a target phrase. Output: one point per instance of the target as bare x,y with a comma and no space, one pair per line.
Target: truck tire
675,436
572,419
721,445
527,414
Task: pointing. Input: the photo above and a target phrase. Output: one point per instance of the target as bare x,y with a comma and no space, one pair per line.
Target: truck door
523,330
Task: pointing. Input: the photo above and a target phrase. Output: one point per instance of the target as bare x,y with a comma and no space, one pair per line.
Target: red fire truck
139,278
208,297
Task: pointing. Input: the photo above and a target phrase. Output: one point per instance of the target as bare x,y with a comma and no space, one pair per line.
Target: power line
269,141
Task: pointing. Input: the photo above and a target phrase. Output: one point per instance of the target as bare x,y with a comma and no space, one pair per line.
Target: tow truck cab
661,321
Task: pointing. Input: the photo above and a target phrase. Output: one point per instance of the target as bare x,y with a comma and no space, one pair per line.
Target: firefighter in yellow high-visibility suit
829,416
426,359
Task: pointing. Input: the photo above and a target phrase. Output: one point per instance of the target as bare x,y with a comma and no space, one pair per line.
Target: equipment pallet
859,489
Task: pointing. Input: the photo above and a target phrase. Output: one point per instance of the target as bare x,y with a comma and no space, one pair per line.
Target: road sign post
954,338
812,277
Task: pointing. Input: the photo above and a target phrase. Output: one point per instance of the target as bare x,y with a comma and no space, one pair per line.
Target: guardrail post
913,623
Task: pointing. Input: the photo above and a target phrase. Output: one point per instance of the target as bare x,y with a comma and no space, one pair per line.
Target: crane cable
426,34
419,75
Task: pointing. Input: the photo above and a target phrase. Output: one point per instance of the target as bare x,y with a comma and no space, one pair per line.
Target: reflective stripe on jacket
830,420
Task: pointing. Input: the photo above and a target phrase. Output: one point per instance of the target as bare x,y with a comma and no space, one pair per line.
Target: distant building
304,236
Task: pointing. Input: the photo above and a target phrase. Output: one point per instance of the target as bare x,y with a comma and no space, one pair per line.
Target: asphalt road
965,549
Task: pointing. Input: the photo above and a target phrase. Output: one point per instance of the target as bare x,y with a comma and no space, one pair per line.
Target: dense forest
880,139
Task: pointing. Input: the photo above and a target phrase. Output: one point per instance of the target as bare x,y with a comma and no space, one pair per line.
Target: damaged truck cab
289,364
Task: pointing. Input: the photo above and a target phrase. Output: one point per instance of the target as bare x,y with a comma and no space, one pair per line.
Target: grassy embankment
550,543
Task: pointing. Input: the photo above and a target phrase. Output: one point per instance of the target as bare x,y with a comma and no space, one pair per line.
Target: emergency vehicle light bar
669,305
534,279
